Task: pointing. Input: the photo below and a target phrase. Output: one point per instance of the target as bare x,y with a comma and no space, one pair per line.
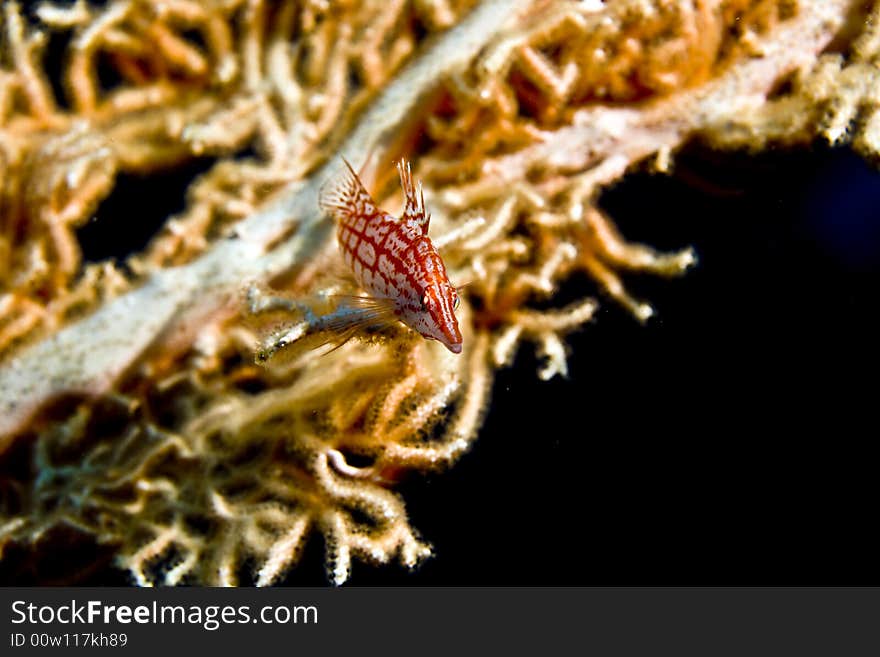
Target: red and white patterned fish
393,259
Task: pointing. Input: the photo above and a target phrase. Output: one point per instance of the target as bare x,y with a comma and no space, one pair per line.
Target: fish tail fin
344,196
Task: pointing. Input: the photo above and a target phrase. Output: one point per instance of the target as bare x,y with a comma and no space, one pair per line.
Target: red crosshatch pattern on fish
394,259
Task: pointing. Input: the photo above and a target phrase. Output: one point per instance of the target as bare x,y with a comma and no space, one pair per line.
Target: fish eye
425,302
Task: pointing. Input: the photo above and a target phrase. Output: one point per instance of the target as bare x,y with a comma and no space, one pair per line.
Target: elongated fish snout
454,347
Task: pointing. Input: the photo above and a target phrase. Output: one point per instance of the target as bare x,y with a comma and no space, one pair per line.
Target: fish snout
454,347
451,337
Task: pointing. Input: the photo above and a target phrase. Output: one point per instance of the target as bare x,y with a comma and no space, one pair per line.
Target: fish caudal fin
414,208
344,196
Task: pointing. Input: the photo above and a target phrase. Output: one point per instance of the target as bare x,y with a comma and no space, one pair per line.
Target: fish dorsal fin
344,196
414,208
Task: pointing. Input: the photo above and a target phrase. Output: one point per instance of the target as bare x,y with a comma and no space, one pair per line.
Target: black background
731,440
728,441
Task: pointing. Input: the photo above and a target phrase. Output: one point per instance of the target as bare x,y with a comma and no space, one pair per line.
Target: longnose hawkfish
392,259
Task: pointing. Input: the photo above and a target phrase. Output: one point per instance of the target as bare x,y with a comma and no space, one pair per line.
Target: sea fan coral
129,388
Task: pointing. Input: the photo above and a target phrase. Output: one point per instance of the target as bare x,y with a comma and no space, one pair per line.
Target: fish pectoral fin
352,317
361,313
331,319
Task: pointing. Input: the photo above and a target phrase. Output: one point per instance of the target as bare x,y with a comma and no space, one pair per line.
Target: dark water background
728,441
731,440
